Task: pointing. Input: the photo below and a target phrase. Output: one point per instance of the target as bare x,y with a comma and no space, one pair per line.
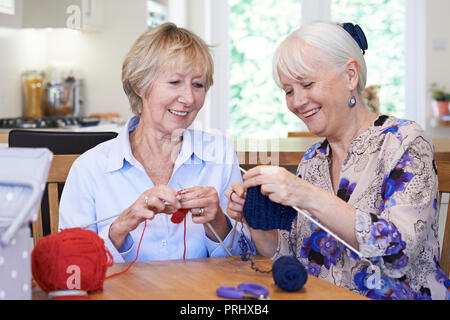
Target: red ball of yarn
72,259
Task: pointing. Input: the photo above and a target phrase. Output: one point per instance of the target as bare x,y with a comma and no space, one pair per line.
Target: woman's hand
285,188
280,185
266,242
197,198
236,200
159,199
204,204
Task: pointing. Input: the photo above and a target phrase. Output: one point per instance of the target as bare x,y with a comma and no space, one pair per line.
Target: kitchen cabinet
10,13
73,14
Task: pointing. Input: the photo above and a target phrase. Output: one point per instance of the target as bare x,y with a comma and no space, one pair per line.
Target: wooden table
198,279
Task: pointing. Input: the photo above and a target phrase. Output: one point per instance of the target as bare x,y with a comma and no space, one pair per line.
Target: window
157,14
257,105
383,22
7,6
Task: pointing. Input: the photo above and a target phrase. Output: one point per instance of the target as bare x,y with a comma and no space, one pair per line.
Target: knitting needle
211,228
113,216
323,227
235,221
98,221
218,238
328,231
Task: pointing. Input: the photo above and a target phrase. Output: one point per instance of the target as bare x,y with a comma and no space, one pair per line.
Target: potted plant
370,95
440,100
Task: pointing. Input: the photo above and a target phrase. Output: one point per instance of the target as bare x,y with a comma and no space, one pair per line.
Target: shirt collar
197,145
121,150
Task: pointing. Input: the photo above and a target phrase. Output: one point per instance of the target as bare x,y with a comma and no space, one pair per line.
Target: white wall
437,54
103,53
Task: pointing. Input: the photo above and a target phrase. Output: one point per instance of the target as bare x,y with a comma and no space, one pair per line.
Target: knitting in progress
262,213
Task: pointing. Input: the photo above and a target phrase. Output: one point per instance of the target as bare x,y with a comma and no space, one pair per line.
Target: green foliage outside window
383,22
257,105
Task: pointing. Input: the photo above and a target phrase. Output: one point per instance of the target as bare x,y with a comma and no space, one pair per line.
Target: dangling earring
352,101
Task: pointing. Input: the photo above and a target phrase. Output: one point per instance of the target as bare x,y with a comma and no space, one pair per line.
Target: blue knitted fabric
262,213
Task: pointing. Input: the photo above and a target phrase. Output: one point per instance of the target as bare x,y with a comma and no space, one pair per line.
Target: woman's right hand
236,200
266,242
159,199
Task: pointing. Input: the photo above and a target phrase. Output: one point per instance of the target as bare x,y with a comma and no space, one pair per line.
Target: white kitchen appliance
23,175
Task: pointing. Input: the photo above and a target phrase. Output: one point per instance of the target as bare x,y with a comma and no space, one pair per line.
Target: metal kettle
63,98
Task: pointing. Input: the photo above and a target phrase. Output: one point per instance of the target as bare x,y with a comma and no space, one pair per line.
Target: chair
66,147
59,170
443,168
58,142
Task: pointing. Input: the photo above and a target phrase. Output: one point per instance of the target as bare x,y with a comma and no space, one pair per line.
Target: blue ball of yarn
289,273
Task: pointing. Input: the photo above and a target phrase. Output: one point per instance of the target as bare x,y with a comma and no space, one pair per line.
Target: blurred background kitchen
67,55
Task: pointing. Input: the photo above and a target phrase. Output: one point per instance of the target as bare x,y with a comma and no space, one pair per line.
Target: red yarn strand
137,255
184,252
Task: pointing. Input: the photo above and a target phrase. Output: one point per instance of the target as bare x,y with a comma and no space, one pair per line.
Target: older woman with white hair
157,171
371,183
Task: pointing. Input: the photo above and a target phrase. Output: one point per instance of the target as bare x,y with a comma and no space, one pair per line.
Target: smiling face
176,96
320,97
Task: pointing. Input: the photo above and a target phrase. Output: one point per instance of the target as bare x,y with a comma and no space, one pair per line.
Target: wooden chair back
58,172
443,168
301,134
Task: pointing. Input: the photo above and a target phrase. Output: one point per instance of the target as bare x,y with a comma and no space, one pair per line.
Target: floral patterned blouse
390,177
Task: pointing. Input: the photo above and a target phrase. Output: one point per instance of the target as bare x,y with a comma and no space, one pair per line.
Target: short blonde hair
154,51
330,38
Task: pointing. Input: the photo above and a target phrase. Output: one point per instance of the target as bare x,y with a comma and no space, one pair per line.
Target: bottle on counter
32,87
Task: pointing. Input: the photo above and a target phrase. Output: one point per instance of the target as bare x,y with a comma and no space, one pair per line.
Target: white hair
330,38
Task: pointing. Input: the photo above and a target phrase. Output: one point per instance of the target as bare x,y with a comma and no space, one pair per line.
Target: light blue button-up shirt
108,179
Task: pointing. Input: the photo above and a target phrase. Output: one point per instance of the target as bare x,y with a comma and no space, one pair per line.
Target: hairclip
357,34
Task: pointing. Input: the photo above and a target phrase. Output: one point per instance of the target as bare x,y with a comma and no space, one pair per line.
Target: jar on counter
33,88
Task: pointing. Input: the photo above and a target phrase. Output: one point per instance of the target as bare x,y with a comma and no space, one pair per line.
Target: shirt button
163,242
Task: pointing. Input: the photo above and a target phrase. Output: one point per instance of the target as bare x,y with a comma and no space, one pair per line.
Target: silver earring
352,101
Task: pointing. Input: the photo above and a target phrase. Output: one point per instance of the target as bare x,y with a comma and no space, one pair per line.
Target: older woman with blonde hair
157,171
370,187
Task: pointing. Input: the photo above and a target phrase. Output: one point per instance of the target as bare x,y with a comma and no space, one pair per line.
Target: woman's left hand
280,185
203,202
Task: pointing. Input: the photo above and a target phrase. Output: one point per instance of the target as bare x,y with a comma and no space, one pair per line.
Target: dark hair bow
357,34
